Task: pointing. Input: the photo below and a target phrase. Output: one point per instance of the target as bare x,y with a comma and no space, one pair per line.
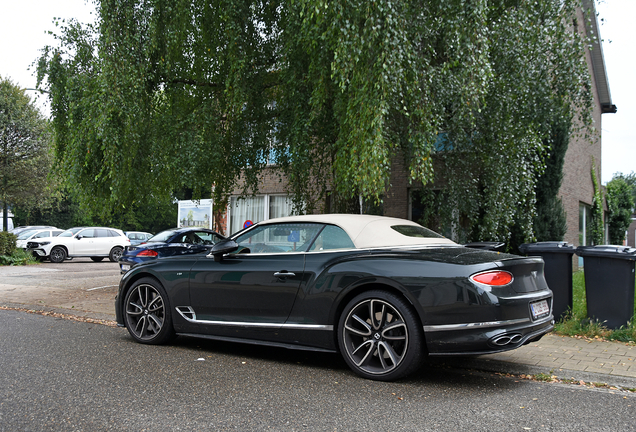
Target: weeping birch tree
160,94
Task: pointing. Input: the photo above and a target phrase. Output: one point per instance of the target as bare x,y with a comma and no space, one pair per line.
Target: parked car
94,242
384,292
137,237
36,234
175,241
20,229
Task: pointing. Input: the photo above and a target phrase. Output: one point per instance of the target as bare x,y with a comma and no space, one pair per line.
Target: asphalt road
62,375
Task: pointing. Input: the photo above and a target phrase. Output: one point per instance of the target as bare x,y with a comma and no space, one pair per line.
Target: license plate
540,309
125,267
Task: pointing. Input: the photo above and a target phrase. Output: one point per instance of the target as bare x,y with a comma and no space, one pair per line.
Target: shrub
18,257
7,243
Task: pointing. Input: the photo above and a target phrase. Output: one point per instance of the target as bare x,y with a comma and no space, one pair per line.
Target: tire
115,254
147,313
380,336
97,259
58,254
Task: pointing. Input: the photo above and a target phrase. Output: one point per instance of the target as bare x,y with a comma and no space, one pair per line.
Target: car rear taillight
493,278
148,253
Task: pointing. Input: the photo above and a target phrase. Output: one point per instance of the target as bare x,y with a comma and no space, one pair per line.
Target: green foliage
24,145
550,222
160,95
596,223
147,214
7,243
63,213
18,257
630,179
620,204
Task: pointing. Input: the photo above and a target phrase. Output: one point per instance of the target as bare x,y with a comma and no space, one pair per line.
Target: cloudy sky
24,25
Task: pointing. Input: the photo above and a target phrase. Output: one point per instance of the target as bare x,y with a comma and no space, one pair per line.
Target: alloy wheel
145,312
375,336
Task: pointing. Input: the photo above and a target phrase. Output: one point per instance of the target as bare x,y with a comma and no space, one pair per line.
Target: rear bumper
485,338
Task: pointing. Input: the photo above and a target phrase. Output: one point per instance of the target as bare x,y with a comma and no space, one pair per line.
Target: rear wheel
97,259
147,312
58,254
115,254
380,336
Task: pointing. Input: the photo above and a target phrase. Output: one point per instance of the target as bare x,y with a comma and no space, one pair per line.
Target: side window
57,233
277,238
207,238
332,238
112,233
101,233
42,235
87,233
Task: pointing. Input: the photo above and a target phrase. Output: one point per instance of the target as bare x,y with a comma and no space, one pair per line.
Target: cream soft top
368,231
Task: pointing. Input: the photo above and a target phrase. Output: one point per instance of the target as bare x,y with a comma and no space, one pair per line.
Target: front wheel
147,312
58,254
115,254
380,336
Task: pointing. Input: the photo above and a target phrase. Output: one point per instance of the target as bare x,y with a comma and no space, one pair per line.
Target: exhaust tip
506,339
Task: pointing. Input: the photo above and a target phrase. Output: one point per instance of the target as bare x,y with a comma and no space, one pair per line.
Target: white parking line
107,286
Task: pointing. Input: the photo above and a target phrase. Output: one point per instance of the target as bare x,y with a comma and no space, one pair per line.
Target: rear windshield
416,231
162,237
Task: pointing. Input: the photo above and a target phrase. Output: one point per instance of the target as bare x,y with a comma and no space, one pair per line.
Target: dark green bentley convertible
383,292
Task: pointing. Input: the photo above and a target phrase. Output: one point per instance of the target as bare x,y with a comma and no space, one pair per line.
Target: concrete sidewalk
612,363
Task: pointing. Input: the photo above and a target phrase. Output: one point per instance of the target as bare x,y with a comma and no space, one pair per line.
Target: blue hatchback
175,241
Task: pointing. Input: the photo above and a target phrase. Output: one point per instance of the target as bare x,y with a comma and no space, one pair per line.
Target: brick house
631,232
576,190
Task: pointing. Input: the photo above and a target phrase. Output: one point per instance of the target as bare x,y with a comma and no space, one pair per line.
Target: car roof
368,231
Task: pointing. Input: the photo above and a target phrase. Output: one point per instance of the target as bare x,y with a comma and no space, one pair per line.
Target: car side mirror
223,247
79,237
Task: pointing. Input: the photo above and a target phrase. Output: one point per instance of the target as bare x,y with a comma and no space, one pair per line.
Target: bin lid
608,251
487,245
548,246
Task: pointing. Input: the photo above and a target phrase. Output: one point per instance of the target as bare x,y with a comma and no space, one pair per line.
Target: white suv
32,235
94,242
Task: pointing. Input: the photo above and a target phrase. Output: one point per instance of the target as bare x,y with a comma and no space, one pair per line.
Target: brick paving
574,354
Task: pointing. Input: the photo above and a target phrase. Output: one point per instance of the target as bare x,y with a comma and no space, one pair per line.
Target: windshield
26,234
70,232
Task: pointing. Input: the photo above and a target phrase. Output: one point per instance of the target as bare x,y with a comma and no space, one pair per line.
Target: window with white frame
252,209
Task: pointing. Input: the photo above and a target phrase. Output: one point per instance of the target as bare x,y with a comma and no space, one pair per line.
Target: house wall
396,200
577,186
631,233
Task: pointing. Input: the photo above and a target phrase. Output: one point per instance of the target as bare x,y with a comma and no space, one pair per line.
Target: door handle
284,274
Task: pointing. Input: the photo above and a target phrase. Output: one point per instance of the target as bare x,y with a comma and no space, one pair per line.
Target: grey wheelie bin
609,283
557,256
